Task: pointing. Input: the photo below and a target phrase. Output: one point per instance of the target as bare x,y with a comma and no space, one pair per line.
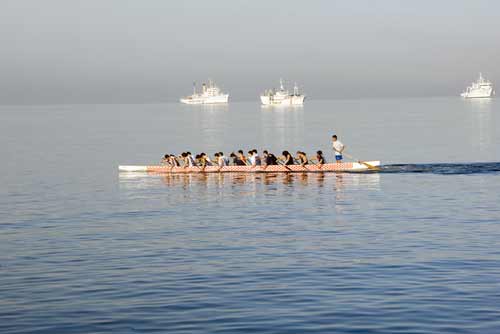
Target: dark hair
319,152
240,151
250,152
202,154
166,156
216,154
232,155
220,153
184,154
198,156
255,151
334,136
189,153
265,152
285,153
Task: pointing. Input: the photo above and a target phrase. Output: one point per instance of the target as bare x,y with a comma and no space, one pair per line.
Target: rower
165,160
191,159
223,157
242,157
173,161
257,159
251,158
319,157
201,159
288,159
185,159
236,160
208,162
220,160
338,148
302,158
270,159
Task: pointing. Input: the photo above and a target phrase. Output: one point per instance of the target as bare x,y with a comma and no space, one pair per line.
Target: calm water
413,249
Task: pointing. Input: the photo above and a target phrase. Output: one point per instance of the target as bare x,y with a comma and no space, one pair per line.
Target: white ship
480,88
282,96
210,94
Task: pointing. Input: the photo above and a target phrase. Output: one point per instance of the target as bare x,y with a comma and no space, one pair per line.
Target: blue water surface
411,249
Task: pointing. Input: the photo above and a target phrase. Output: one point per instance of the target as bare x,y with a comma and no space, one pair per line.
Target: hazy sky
112,51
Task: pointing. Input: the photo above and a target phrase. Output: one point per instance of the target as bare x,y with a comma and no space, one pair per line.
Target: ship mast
194,87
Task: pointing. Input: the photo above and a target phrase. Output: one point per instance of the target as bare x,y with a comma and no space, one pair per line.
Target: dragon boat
360,166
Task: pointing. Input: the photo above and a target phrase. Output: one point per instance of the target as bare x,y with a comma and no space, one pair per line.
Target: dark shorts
338,157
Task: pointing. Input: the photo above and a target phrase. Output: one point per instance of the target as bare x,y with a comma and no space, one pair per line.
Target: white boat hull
206,100
287,101
478,94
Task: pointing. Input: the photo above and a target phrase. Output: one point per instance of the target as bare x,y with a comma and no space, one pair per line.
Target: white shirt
252,160
337,147
221,161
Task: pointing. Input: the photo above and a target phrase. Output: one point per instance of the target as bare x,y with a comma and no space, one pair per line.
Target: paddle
280,162
361,162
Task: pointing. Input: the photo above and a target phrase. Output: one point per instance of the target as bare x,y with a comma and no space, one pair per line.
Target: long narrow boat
332,167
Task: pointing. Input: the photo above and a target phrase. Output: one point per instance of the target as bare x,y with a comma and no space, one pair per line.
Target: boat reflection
330,181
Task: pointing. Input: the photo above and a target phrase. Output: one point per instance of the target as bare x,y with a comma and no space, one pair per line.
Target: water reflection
210,123
481,110
282,126
337,182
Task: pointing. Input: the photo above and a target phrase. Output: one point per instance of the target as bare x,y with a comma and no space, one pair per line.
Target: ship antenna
194,87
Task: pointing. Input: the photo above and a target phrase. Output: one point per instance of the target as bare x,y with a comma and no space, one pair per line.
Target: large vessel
282,96
479,89
210,94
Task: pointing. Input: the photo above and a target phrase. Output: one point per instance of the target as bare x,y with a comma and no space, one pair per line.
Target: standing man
338,148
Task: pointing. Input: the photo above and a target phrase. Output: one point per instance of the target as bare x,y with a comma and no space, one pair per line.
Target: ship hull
477,95
221,99
293,100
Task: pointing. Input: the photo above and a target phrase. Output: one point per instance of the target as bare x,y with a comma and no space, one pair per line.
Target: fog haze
117,51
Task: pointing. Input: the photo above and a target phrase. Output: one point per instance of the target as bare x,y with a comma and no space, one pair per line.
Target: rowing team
186,159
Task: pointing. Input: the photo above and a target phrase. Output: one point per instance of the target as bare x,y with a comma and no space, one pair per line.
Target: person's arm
342,150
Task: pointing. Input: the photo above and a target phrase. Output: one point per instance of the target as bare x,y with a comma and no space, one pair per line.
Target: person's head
221,154
265,152
285,153
216,154
198,156
319,152
299,153
254,151
334,137
166,156
240,152
232,155
184,154
203,154
188,153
